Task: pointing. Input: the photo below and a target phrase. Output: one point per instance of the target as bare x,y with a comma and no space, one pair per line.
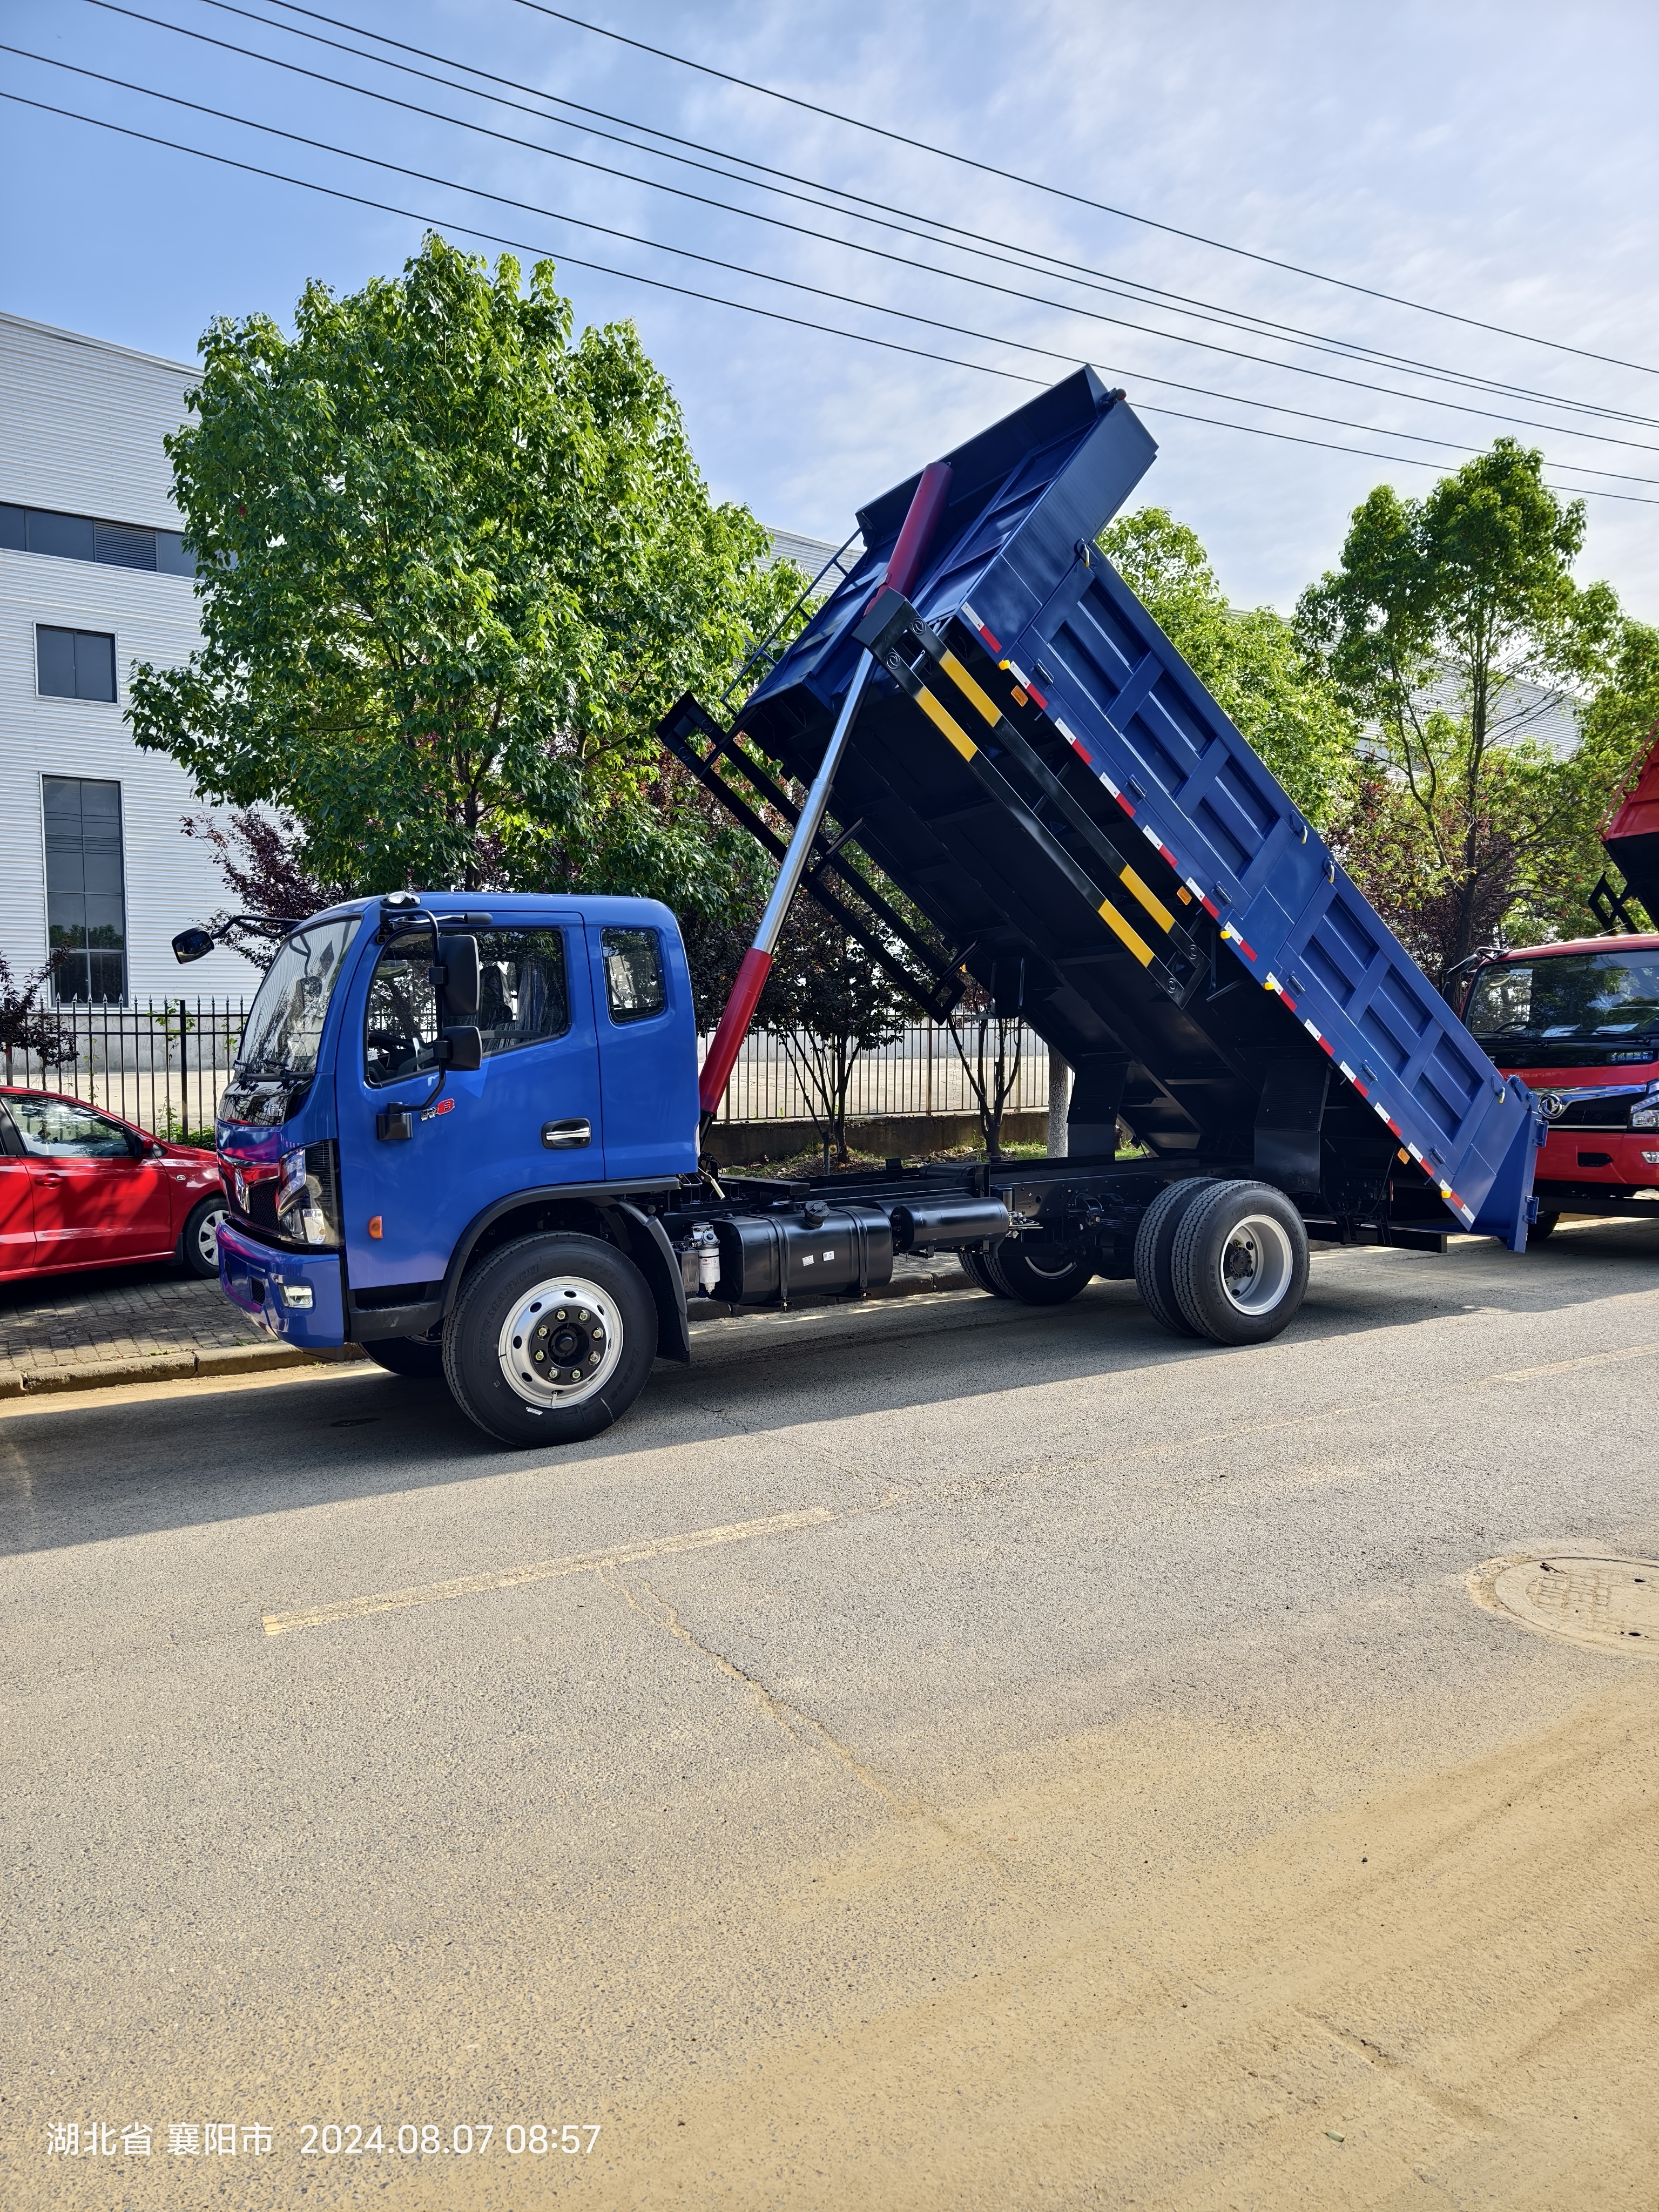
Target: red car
79,1189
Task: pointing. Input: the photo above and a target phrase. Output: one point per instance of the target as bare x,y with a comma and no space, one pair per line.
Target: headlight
308,1196
1644,1114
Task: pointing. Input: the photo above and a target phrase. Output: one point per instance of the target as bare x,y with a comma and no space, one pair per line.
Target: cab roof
1648,943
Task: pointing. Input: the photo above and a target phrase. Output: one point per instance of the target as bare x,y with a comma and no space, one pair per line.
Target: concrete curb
160,1367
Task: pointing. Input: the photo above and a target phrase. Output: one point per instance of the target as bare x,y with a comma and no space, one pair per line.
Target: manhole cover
1585,1598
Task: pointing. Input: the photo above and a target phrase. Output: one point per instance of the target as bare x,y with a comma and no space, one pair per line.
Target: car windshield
285,1026
1584,997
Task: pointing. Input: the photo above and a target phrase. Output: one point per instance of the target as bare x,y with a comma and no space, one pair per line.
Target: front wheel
551,1340
199,1248
1240,1263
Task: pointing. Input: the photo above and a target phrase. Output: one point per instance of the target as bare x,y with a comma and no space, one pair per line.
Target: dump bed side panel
1175,763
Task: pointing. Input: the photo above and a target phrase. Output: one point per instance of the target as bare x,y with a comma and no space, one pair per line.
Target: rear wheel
551,1340
977,1266
1543,1226
1240,1264
1155,1251
199,1248
417,1359
1039,1274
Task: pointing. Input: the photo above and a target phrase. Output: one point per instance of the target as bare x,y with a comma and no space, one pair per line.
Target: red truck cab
1579,1022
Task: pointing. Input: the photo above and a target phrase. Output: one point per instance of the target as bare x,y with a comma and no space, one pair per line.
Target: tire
978,1268
603,1324
1543,1226
1155,1252
416,1359
1039,1274
198,1247
1240,1264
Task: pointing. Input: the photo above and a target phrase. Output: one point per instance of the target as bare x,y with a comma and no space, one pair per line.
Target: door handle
566,1136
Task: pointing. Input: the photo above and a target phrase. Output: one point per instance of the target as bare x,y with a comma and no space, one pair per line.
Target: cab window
523,1000
634,982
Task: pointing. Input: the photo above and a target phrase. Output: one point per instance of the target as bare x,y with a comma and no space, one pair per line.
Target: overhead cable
743,307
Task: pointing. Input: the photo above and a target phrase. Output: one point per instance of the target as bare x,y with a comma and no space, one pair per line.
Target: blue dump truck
463,1130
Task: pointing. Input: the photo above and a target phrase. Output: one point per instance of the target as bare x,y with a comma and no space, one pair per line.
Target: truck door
528,1118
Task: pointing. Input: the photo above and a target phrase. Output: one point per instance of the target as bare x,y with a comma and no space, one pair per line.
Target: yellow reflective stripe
1115,921
937,715
970,691
1154,905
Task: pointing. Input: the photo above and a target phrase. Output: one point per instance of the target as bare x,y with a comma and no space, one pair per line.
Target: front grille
1596,1114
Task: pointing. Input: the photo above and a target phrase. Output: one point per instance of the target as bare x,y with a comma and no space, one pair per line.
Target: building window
79,538
75,663
86,890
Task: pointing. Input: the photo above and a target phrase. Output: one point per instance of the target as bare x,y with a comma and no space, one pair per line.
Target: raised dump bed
1038,770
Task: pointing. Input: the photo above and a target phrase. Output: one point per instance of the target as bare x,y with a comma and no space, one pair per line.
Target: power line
1078,199
888,217
899,260
761,275
742,307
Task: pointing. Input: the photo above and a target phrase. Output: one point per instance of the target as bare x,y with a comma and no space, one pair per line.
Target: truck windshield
285,1027
1588,996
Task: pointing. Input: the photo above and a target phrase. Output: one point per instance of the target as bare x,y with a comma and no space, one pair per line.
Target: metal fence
161,1064
919,1074
164,1064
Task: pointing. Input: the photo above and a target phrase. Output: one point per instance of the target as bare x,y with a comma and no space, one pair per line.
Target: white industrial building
94,576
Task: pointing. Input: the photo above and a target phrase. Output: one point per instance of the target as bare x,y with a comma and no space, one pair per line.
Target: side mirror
191,945
458,958
463,1050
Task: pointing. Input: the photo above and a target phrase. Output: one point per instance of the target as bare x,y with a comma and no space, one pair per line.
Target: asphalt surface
941,1753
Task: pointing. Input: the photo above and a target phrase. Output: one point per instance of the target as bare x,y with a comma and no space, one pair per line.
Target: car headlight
308,1196
1644,1114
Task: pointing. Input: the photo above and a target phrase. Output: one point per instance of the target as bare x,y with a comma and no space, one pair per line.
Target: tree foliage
1441,609
454,561
1249,658
26,1025
828,1002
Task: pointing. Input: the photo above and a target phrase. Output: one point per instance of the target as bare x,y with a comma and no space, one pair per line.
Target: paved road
938,1755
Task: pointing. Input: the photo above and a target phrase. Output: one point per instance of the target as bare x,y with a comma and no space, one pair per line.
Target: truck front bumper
296,1296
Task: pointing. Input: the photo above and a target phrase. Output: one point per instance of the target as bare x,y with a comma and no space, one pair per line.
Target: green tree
1441,608
827,1001
1620,726
453,562
1249,658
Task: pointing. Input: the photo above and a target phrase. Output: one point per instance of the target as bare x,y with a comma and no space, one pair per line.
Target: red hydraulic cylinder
926,505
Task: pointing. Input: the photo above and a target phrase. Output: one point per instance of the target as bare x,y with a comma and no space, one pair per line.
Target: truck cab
1579,1023
388,1125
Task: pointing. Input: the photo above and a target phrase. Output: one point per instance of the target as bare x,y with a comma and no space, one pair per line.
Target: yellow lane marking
970,691
1587,1359
953,730
545,1571
1148,899
1115,921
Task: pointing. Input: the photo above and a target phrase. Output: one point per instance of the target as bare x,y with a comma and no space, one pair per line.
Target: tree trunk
1060,1100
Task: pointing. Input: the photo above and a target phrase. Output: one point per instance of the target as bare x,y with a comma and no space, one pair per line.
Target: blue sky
1494,162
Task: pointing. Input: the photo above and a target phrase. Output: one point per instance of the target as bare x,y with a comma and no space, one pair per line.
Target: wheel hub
561,1342
1257,1264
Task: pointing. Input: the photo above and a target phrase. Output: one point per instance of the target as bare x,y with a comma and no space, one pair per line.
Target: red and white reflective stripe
971,617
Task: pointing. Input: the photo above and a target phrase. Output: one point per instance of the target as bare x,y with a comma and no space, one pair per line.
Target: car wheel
417,1359
1240,1263
551,1340
199,1248
1155,1252
1039,1274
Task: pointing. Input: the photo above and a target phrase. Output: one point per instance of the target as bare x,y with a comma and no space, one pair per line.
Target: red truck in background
1580,1023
